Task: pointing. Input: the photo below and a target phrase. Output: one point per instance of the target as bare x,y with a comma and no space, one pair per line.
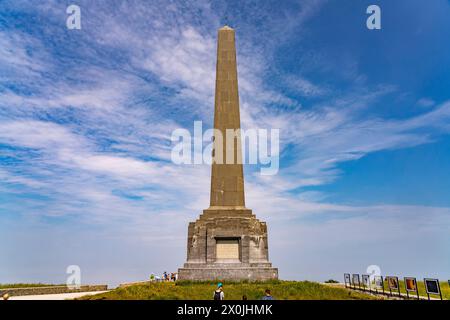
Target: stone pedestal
237,225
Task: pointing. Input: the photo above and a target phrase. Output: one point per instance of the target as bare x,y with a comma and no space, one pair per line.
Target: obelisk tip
225,27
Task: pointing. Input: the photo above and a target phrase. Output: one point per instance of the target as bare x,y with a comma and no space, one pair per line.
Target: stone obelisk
227,180
227,242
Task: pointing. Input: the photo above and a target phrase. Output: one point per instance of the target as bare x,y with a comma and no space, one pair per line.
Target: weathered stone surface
227,180
227,218
50,290
228,273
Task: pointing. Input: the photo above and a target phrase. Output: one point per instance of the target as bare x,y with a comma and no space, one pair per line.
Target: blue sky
86,118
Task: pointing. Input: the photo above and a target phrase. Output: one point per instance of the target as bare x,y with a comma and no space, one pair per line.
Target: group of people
220,295
173,276
165,277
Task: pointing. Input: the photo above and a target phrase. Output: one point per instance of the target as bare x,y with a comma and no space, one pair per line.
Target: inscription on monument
227,249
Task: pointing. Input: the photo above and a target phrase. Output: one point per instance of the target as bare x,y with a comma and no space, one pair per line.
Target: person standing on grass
267,296
218,293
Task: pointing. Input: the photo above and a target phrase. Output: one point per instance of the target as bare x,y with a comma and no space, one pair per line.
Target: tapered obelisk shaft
227,180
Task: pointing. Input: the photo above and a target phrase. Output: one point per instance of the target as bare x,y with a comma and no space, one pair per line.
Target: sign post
432,286
393,285
347,280
379,283
366,282
356,281
411,286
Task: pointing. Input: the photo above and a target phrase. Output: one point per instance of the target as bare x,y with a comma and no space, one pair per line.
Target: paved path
60,296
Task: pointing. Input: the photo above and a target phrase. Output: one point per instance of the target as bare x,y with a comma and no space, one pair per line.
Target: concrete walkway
60,296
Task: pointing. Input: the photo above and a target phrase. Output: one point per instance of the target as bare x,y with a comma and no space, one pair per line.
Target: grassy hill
185,290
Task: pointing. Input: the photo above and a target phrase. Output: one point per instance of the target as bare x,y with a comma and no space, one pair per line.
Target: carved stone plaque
227,249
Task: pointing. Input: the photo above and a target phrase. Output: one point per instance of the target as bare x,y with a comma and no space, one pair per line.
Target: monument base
228,272
227,244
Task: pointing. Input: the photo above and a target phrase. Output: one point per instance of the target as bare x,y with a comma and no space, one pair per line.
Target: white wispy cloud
91,138
182,57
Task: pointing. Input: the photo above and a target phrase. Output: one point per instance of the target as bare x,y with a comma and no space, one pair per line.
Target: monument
227,242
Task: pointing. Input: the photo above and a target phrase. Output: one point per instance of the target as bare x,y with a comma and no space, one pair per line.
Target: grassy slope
281,290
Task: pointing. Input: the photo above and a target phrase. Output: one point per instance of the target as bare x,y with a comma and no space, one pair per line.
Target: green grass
26,285
185,290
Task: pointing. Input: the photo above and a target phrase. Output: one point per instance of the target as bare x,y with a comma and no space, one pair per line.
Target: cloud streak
85,129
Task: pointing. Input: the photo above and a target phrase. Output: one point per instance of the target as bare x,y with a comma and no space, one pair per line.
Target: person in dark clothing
267,295
218,293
